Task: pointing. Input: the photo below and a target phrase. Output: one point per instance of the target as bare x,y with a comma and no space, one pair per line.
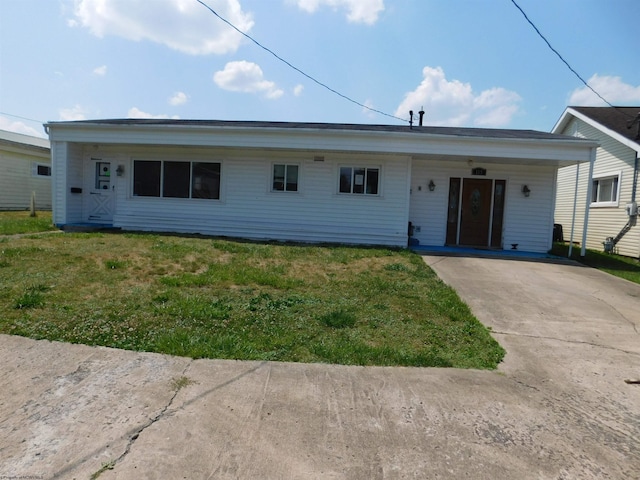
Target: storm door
100,200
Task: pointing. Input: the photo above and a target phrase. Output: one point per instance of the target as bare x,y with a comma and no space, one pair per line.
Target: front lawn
202,297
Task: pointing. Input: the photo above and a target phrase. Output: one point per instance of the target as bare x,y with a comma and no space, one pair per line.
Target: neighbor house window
362,180
170,179
285,178
41,170
605,191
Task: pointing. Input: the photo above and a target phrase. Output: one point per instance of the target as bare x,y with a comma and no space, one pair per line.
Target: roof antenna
421,113
411,119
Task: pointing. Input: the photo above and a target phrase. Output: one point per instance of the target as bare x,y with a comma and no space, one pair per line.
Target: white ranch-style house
313,182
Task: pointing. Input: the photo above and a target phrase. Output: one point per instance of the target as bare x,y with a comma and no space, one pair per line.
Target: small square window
44,171
605,191
285,178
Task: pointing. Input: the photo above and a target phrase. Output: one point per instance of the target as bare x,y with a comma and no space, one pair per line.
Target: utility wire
565,62
23,118
296,68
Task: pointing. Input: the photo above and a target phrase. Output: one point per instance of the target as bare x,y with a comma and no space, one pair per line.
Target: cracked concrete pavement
556,408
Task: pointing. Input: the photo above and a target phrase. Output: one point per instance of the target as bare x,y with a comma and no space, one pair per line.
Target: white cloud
77,112
298,89
135,112
101,71
611,88
243,76
178,98
358,11
453,103
366,111
182,25
20,127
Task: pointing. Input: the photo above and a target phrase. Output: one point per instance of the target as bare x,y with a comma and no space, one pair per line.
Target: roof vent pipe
411,119
421,113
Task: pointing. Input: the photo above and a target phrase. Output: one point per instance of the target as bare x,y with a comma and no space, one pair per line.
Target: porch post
583,251
575,205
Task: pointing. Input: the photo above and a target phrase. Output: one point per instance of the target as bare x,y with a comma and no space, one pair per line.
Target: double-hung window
172,179
605,191
360,180
285,178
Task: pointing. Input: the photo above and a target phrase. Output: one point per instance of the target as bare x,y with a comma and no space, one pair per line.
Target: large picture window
360,180
605,191
171,179
285,178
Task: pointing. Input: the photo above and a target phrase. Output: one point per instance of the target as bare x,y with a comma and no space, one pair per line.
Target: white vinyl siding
19,177
246,209
527,221
612,159
66,173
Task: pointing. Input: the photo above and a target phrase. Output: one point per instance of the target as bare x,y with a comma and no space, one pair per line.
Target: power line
564,61
22,118
296,68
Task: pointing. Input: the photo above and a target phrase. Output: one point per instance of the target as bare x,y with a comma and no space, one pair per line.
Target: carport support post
575,205
583,250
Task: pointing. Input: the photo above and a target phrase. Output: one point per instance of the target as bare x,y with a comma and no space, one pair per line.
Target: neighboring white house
25,167
313,182
612,214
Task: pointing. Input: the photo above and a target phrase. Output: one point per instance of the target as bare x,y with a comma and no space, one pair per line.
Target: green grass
618,265
12,223
207,298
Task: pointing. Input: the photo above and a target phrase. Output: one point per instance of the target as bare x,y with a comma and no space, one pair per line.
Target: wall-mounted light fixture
432,186
120,170
526,191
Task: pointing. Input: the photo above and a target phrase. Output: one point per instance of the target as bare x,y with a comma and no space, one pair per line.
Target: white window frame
286,165
607,203
354,166
162,162
34,169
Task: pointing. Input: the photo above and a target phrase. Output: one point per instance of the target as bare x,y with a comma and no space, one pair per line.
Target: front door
100,201
475,212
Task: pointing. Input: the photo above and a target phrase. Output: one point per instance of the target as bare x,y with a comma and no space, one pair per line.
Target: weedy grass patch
212,298
18,222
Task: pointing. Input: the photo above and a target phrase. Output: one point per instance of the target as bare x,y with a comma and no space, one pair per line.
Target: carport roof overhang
526,147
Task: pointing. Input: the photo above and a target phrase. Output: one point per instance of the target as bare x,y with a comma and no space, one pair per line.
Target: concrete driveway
557,408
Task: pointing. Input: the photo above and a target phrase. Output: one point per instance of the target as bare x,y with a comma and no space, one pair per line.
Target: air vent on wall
318,158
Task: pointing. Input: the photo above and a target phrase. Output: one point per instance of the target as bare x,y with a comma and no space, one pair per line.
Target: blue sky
474,63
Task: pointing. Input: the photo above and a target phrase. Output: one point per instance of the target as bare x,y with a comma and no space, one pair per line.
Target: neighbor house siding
612,158
528,221
18,179
248,208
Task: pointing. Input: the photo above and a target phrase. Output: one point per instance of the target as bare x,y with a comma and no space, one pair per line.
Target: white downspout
575,205
583,251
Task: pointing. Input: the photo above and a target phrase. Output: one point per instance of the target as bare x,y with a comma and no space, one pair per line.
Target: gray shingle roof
616,119
427,130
